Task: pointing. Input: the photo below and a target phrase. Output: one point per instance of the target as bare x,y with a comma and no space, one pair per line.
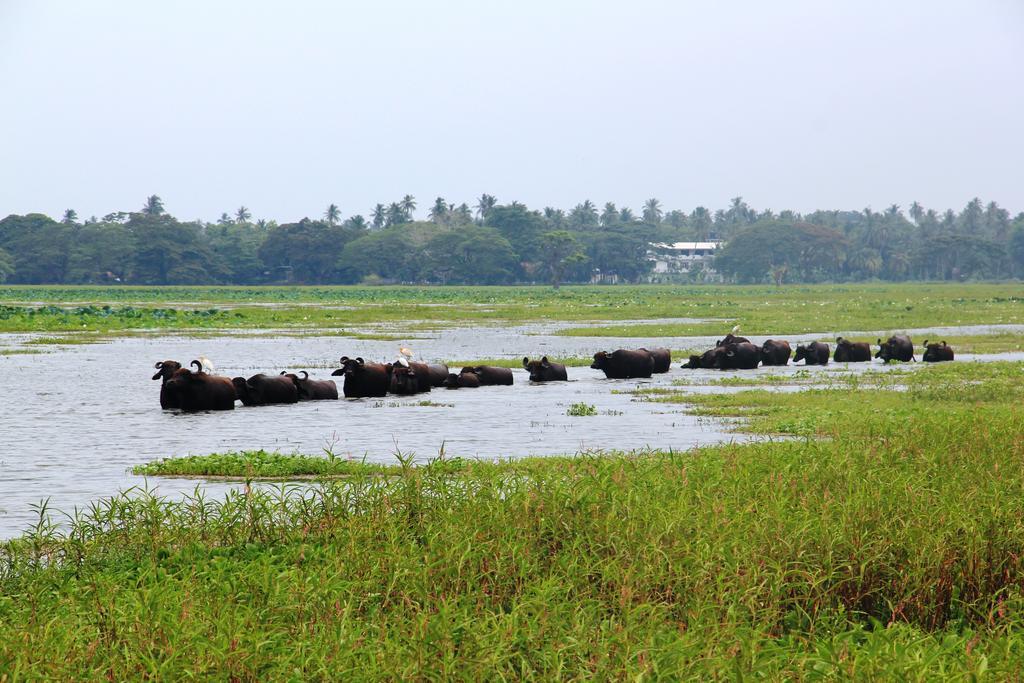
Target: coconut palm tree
916,212
408,205
484,205
242,215
652,211
439,211
380,216
332,215
610,214
154,206
70,216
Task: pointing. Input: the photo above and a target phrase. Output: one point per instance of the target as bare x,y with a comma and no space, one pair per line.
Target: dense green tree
39,246
809,252
306,251
470,256
521,227
168,252
102,253
70,217
560,250
6,265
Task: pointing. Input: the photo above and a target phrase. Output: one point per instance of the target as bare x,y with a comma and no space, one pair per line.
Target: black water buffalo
362,379
263,390
313,389
464,380
623,364
409,379
544,370
491,375
737,356
662,359
198,390
937,352
815,353
166,369
706,360
851,352
731,339
775,352
438,373
896,347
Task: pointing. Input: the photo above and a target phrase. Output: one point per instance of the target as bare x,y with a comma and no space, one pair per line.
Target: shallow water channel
75,419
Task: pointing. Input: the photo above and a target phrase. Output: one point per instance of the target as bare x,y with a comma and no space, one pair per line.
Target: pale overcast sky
286,107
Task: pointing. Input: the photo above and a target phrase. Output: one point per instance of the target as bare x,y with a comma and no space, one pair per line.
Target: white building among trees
683,261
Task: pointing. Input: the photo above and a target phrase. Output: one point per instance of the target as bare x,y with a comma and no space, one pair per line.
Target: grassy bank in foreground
892,549
760,309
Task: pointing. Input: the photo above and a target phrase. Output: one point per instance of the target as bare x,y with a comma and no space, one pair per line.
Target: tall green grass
892,548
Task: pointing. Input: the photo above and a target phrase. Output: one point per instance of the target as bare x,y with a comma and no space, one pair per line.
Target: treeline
494,243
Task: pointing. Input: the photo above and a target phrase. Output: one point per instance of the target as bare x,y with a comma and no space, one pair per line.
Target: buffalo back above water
815,353
897,347
662,359
937,352
737,356
490,375
851,352
193,391
362,379
623,364
731,339
438,373
464,380
313,389
262,390
775,352
544,370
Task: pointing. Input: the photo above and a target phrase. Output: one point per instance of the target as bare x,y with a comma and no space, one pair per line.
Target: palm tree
395,215
154,206
262,224
583,215
916,212
70,216
332,214
242,215
626,215
357,222
408,205
439,211
610,214
484,205
380,216
652,211
225,219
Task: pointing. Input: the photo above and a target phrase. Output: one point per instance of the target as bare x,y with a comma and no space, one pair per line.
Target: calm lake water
76,419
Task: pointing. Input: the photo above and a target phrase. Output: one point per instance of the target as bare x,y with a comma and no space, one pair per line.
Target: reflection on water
74,421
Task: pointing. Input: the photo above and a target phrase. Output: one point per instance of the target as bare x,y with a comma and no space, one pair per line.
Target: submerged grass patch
892,549
258,465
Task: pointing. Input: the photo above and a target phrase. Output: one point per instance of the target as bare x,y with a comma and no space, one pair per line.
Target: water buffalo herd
739,353
194,390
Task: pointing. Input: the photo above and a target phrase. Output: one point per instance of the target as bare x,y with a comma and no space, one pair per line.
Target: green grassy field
883,540
760,309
